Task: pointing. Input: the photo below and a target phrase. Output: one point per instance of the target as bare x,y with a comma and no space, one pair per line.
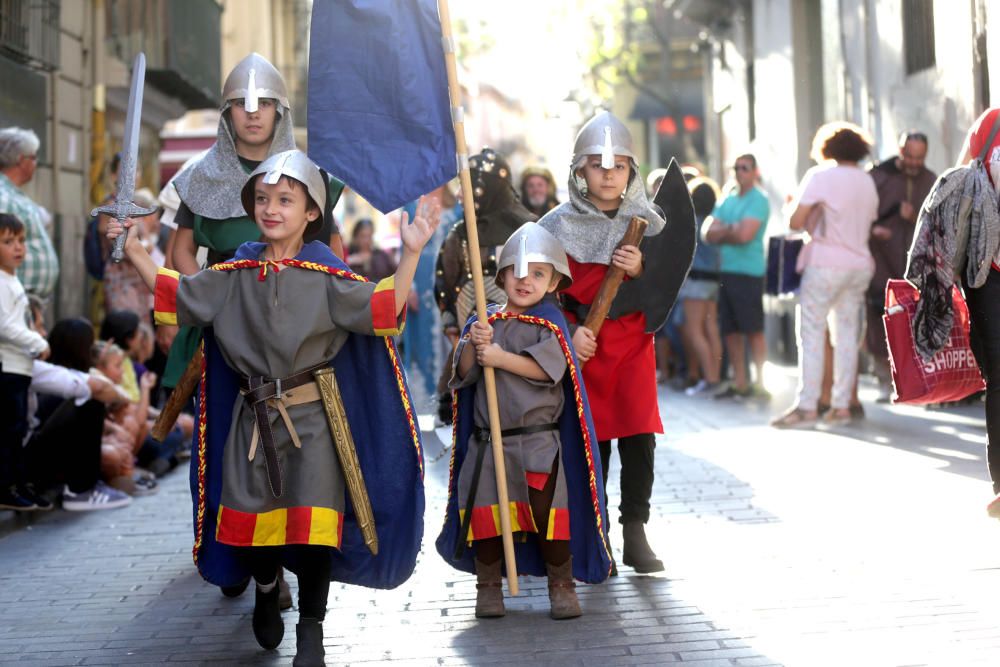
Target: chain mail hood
587,234
211,187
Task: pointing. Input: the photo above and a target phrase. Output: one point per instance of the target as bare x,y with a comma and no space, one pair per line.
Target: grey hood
587,234
211,187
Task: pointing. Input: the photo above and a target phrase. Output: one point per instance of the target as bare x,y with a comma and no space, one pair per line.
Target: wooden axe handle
613,278
179,398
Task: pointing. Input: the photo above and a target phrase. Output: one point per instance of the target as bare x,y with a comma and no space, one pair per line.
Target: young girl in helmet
268,484
605,192
547,439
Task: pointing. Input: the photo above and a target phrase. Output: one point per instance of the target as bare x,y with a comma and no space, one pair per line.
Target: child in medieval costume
255,122
605,192
268,481
555,501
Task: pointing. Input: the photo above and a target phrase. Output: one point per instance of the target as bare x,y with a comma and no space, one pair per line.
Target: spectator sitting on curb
65,443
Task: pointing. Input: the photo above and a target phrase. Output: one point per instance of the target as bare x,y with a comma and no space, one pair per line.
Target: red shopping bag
951,374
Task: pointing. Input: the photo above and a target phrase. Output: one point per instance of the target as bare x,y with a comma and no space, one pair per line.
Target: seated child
546,439
19,346
270,486
126,426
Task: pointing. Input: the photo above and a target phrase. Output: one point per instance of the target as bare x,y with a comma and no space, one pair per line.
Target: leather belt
256,391
484,434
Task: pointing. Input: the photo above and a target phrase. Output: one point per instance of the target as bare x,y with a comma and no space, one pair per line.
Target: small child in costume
605,192
546,433
268,483
19,345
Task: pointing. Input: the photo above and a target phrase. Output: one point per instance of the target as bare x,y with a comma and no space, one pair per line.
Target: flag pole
489,378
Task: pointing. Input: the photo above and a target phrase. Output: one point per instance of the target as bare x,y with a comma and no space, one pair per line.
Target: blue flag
379,112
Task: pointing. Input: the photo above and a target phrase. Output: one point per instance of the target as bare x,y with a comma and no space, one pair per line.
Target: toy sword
124,208
340,429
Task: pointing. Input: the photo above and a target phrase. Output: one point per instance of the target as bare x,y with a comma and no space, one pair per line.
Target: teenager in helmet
269,484
605,192
547,438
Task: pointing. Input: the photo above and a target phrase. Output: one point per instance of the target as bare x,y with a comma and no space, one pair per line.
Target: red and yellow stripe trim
485,521
384,320
199,524
165,296
293,525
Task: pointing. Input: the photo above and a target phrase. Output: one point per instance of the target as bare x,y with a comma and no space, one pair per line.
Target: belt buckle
277,389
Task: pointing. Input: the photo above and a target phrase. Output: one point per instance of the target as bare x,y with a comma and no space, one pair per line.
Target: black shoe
268,627
235,591
27,491
10,499
636,551
309,650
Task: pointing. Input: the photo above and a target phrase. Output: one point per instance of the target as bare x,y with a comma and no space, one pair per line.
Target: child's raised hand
480,334
629,259
148,380
415,235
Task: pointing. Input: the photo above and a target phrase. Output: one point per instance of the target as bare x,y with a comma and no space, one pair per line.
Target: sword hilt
121,212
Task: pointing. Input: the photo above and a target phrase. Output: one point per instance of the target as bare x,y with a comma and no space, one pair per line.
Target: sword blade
130,151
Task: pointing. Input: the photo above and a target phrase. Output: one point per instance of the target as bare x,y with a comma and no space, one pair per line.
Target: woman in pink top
836,203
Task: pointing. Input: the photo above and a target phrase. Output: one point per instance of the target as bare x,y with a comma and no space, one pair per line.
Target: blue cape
581,464
379,409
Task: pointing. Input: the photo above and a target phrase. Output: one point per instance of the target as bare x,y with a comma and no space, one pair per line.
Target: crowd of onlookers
860,221
80,398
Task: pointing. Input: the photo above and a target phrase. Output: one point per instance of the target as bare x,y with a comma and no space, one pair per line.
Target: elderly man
18,159
902,183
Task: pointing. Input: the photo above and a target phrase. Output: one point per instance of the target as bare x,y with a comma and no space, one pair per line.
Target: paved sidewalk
858,546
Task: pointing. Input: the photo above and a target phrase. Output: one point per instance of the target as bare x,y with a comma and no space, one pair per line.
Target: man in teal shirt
737,225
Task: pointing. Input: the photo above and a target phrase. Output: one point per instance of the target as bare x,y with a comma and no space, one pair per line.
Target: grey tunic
522,402
293,320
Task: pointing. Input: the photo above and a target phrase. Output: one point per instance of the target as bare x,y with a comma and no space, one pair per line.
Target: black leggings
313,574
984,308
636,452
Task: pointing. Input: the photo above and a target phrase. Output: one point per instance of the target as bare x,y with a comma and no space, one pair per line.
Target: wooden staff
178,398
489,378
613,278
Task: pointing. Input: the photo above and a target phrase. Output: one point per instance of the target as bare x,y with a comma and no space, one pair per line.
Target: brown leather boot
489,590
563,602
636,551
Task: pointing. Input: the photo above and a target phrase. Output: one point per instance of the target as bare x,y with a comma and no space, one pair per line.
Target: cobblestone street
863,545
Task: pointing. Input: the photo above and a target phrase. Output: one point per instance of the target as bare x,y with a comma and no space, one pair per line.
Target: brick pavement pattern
857,546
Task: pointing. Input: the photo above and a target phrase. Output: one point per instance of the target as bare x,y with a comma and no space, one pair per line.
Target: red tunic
621,378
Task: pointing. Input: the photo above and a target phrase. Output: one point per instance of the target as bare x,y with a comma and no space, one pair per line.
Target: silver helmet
255,77
294,164
533,243
602,135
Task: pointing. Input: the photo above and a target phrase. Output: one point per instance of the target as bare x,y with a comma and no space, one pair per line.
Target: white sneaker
101,497
700,388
